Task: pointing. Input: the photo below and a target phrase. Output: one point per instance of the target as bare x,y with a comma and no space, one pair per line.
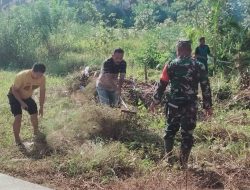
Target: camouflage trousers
180,117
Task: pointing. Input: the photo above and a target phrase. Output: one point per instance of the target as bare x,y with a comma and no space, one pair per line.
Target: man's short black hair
119,50
184,43
202,38
38,67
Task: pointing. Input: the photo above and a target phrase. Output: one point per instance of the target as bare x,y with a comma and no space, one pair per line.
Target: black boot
184,155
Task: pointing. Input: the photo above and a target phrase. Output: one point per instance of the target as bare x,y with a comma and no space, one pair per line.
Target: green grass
69,126
93,142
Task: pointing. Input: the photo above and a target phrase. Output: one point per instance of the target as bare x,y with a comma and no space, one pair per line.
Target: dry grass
93,147
232,174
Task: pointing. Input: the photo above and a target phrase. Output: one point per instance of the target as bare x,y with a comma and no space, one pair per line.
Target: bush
26,35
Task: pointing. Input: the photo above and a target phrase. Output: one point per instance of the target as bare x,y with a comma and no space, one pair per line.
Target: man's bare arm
42,98
121,80
42,95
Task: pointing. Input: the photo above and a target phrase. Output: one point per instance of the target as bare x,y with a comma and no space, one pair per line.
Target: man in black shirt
202,51
111,78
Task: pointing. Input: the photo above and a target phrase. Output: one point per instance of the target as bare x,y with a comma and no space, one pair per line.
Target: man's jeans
107,97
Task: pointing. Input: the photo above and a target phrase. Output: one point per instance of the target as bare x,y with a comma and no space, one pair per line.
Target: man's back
202,51
185,75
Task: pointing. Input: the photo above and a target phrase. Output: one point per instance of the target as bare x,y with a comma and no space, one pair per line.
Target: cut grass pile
93,147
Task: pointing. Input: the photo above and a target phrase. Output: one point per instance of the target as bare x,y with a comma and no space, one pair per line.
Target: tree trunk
146,73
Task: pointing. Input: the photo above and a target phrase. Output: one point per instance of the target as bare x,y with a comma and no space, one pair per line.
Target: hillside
84,145
88,146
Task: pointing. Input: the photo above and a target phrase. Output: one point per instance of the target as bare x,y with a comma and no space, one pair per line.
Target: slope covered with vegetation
88,146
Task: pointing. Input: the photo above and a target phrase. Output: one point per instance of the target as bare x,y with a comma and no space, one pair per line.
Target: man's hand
24,105
41,111
208,112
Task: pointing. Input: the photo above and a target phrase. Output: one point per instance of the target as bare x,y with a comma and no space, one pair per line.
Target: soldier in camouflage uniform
184,74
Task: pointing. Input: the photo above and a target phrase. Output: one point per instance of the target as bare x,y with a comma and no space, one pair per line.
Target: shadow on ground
37,149
208,179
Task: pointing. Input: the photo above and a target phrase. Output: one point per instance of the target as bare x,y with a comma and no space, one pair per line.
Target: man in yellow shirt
20,97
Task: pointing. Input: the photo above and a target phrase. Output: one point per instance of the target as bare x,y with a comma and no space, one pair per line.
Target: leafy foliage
68,34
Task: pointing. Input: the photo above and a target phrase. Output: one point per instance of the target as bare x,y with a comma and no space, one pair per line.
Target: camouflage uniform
183,75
